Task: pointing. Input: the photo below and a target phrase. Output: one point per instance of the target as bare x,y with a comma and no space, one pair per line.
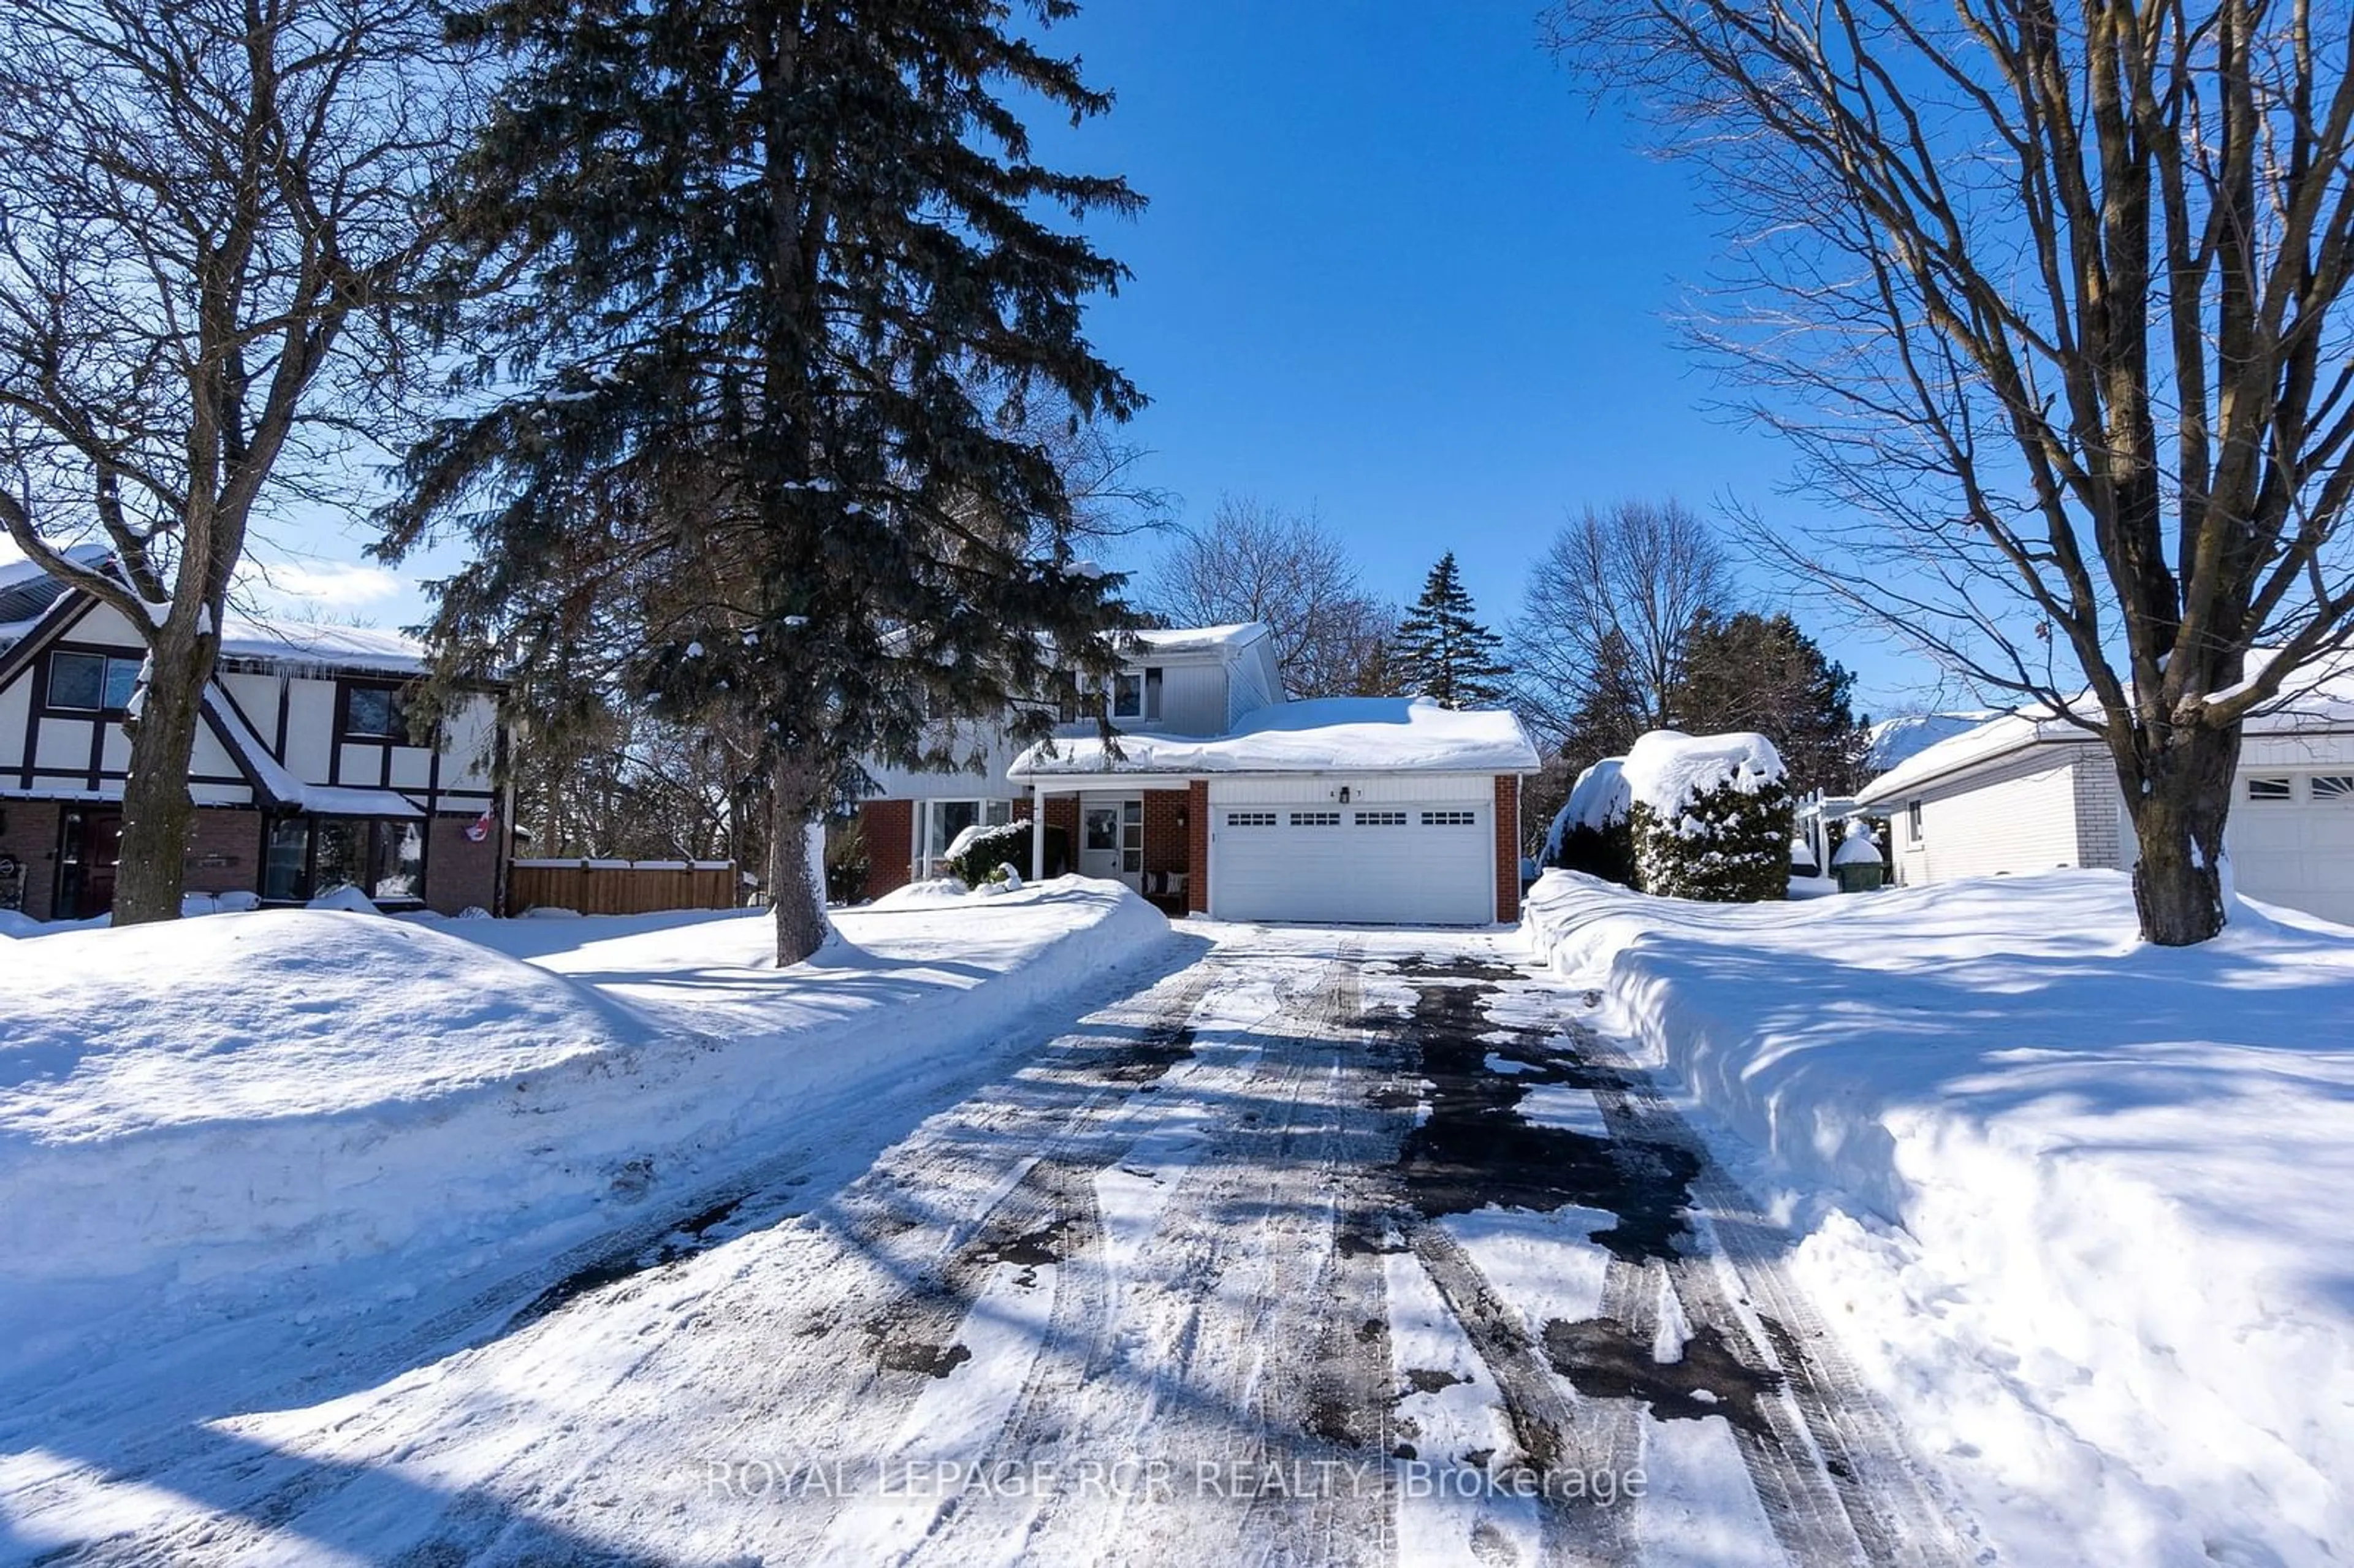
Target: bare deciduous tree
208,212
2056,298
1604,623
1252,561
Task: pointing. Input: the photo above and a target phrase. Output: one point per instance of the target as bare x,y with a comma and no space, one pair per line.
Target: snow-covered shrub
1709,816
1591,834
977,851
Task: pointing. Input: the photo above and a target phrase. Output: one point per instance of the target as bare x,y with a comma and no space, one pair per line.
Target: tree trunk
2179,809
792,881
158,817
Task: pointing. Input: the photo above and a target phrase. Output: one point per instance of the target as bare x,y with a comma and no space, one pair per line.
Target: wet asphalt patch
1602,1361
688,1238
1476,1148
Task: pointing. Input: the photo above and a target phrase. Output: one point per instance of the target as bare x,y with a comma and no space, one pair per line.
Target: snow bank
198,1114
1666,769
2078,1204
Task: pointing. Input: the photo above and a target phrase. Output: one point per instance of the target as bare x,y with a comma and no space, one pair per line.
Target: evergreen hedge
1726,845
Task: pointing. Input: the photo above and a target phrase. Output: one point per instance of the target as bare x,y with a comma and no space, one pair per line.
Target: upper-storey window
1136,694
94,682
375,713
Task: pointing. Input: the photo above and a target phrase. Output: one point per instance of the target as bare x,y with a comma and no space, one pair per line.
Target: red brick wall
459,874
28,831
1197,846
889,828
224,852
1508,849
1063,811
1166,825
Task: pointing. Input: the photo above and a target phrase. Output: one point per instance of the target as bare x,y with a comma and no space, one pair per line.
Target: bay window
940,822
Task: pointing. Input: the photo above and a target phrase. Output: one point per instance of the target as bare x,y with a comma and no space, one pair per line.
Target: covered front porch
1153,836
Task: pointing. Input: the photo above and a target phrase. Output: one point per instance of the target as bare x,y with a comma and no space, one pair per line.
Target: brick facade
1197,847
1166,846
889,830
1063,812
28,834
1508,849
224,852
459,874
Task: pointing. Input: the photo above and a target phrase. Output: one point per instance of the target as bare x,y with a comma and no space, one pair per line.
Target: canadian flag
480,827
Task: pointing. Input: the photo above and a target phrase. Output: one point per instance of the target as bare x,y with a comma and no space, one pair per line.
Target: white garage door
1384,864
2291,839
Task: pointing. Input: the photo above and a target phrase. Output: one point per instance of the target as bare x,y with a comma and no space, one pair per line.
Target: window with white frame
1450,819
2333,789
1250,819
1315,819
1380,818
942,821
2272,787
1913,822
1128,694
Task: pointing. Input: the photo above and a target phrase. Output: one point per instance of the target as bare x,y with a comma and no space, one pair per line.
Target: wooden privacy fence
621,886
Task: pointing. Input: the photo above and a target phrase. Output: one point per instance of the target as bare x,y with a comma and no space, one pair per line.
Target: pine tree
791,309
1749,671
1441,653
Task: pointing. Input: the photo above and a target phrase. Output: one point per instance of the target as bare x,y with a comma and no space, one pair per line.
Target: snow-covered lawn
2079,1204
199,1114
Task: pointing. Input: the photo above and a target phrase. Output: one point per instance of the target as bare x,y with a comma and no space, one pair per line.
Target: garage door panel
1386,864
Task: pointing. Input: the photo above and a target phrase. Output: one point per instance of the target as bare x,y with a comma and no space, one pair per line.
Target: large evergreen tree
1750,671
1442,652
790,306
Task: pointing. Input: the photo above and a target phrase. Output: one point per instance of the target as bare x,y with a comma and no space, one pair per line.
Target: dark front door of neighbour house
88,854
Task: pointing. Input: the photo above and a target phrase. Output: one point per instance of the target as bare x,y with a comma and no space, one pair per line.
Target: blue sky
1394,268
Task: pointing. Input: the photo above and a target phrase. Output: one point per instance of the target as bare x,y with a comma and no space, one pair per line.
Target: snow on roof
1666,768
1328,735
1998,737
1202,638
1596,801
1894,740
350,647
2318,698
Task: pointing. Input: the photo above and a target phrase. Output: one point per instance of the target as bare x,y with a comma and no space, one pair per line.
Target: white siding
309,729
469,741
2018,815
891,783
257,695
105,625
16,706
62,745
1193,700
1247,686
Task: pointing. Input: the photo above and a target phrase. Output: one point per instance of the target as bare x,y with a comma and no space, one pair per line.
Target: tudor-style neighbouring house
1224,799
305,775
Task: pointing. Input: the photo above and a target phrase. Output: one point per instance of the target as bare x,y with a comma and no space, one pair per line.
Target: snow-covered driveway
1328,1245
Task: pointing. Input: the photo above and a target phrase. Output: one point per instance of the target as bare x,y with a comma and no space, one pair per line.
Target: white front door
1111,837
